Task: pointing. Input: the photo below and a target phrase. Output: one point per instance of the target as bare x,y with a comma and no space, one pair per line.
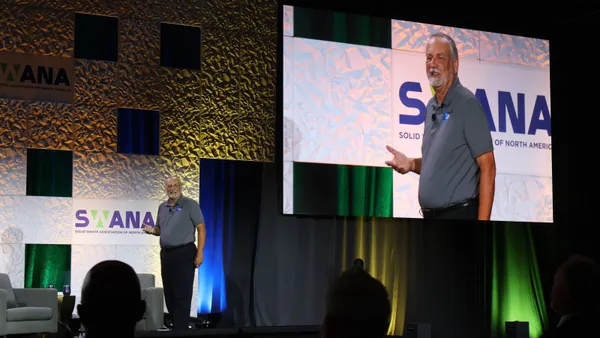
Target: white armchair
27,311
154,316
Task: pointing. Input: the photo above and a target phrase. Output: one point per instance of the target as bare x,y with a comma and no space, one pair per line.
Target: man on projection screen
176,223
457,168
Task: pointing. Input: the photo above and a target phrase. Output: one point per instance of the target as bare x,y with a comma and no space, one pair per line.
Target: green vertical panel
315,189
380,33
49,173
47,264
339,28
370,191
385,189
342,27
362,28
517,292
496,326
360,192
343,191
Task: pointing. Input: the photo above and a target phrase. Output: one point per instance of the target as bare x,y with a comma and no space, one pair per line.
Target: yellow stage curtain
383,245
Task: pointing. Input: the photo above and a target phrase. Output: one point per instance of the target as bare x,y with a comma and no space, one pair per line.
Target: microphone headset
433,120
445,117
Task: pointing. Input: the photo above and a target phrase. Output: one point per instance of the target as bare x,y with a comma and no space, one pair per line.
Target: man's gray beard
435,82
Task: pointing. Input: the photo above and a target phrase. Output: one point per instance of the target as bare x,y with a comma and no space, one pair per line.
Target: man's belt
171,248
432,212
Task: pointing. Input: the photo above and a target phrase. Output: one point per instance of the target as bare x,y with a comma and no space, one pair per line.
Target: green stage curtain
47,264
516,286
49,173
340,190
365,191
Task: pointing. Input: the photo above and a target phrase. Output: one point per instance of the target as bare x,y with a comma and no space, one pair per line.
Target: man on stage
177,221
457,171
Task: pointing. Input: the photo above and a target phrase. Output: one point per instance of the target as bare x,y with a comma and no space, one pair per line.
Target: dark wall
572,81
446,279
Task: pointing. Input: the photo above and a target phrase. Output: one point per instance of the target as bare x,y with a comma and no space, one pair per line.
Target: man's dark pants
177,269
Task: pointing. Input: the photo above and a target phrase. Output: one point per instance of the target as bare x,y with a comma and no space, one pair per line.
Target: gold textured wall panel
35,30
221,13
13,123
50,126
140,87
95,129
85,6
140,177
256,134
122,176
185,12
183,89
188,12
43,125
139,42
233,94
13,143
155,88
180,134
259,13
13,171
188,169
220,92
258,60
143,177
136,9
96,83
225,110
95,174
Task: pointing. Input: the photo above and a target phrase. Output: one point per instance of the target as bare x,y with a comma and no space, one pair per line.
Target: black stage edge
190,333
275,330
244,332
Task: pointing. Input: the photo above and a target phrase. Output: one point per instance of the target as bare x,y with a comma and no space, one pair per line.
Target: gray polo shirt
177,223
452,141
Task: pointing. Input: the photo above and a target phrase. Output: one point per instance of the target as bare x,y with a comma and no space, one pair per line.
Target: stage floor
246,332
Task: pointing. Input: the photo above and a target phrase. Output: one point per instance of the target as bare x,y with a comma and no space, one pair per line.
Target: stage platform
244,332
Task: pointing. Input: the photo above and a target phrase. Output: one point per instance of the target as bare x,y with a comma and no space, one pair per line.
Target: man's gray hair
173,178
453,49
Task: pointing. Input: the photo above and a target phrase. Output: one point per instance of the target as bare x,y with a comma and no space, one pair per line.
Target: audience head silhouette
359,264
576,286
357,305
111,289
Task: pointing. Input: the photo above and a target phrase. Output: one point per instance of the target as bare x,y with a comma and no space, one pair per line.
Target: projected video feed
354,84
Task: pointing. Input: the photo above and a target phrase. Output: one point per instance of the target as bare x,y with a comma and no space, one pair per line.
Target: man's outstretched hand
148,229
399,162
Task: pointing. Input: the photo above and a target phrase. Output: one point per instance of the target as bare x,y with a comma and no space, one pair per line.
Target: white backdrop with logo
115,222
113,230
51,220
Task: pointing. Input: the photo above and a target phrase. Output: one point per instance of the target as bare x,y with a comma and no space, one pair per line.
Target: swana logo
25,74
102,219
